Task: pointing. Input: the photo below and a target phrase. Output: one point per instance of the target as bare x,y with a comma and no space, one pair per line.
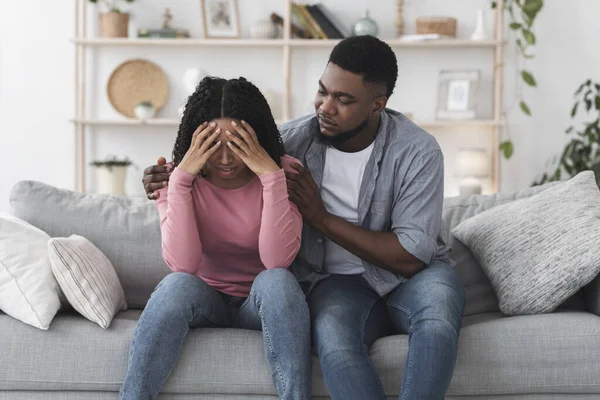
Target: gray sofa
553,356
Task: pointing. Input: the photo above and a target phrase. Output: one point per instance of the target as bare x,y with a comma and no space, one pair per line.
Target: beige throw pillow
87,278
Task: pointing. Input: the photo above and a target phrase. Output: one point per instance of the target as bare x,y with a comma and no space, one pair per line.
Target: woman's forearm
181,246
281,223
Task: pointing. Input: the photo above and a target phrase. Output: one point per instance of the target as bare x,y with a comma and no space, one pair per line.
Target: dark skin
344,101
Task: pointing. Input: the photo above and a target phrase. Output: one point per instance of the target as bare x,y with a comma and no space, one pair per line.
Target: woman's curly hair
216,98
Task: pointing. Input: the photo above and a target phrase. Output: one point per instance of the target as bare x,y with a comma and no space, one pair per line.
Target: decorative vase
263,29
144,111
365,26
114,24
191,78
480,32
111,180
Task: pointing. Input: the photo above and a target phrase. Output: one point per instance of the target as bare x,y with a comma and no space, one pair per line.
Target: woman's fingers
211,151
247,137
237,151
206,144
239,143
199,130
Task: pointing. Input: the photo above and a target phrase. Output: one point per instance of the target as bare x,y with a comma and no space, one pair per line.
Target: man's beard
343,137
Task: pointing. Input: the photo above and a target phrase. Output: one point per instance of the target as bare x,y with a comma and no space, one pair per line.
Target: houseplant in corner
113,23
111,174
582,153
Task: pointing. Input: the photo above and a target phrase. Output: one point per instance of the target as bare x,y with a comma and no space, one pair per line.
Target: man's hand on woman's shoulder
156,177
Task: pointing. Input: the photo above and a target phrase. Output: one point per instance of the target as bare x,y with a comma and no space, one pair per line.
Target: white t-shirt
340,187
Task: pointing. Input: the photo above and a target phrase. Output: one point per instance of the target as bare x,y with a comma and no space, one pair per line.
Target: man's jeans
276,305
347,316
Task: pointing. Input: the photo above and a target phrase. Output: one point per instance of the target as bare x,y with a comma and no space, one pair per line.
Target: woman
229,233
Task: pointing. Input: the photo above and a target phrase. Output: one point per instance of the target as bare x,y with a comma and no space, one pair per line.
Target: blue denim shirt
402,191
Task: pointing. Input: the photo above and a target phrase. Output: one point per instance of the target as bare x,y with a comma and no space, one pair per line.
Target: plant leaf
574,110
529,36
528,78
515,26
525,108
588,104
597,100
584,84
569,130
507,148
532,7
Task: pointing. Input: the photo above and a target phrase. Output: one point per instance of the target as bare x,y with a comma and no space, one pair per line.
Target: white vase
144,111
480,32
191,78
263,29
111,181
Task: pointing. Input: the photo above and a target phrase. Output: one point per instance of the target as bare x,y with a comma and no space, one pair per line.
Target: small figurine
168,17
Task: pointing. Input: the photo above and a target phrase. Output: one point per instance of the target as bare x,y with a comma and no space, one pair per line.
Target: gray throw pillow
539,251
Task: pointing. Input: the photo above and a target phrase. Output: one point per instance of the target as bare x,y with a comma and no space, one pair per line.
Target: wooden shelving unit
82,43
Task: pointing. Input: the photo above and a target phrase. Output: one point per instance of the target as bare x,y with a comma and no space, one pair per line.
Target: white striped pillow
87,279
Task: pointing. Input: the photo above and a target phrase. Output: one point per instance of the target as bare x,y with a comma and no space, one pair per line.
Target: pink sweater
228,236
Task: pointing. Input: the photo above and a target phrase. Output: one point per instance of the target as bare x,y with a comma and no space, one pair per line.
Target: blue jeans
276,305
347,316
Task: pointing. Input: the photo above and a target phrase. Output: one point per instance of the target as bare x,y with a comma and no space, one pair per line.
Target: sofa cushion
87,278
126,230
537,252
547,353
480,296
550,353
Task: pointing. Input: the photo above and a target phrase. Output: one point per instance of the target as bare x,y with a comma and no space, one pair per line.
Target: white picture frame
457,94
220,19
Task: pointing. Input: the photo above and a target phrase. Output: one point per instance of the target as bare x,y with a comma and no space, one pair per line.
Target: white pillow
28,290
87,278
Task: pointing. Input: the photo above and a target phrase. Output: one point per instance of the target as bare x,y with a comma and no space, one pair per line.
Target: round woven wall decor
136,81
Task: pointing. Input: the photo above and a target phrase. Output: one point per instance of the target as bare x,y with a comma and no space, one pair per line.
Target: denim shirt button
319,240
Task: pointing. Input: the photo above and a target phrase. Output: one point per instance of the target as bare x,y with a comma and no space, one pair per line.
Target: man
373,259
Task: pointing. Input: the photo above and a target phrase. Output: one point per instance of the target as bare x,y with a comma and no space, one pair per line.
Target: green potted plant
111,174
582,152
113,22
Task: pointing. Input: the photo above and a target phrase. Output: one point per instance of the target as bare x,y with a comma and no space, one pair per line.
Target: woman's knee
279,288
178,291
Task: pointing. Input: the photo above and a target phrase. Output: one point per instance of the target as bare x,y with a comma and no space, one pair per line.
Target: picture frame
457,91
220,19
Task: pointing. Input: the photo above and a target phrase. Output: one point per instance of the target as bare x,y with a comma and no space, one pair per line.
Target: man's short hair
370,57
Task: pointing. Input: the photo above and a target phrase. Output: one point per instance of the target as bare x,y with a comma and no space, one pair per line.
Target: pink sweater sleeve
181,246
281,223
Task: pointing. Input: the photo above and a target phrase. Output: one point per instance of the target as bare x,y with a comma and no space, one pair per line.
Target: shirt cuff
417,243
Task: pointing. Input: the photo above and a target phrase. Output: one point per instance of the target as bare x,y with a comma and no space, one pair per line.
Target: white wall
36,85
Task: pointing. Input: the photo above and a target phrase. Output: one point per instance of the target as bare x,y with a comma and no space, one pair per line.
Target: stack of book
319,22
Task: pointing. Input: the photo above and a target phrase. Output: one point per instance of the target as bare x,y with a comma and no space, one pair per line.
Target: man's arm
378,248
416,218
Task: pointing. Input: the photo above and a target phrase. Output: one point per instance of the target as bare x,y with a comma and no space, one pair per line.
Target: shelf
175,122
446,43
132,122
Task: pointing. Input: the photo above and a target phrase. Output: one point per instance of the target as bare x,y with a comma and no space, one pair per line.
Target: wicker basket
444,26
114,24
137,81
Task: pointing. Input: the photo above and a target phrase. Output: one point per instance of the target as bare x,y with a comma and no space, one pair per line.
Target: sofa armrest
592,296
